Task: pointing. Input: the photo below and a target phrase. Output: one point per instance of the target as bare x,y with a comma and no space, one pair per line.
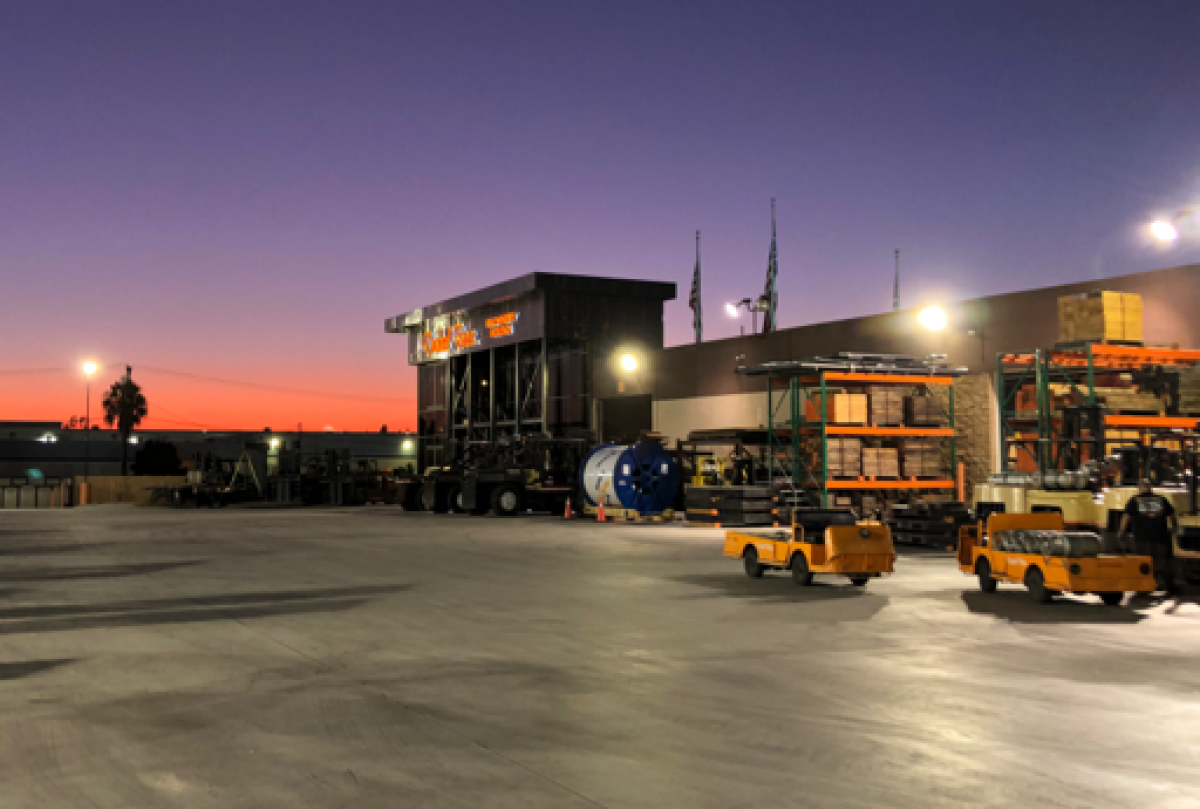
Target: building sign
499,324
502,325
458,337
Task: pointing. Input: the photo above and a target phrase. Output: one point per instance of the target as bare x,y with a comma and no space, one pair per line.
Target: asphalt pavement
375,658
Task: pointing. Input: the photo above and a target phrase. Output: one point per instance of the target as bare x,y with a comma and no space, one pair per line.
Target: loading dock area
379,658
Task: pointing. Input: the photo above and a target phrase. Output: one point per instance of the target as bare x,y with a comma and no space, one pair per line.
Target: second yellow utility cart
819,542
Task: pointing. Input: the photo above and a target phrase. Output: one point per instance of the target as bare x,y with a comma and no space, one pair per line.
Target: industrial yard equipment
819,541
639,479
1035,550
522,474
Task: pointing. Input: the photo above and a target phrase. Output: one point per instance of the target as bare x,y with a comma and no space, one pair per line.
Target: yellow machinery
1003,550
825,542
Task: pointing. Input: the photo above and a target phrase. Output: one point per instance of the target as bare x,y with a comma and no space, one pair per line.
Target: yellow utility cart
818,542
1036,551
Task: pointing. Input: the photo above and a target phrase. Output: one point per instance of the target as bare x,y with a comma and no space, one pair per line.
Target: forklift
819,541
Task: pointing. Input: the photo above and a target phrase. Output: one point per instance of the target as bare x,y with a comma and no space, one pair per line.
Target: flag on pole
694,299
771,293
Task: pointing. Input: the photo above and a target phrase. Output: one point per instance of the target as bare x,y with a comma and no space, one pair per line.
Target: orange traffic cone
600,512
567,513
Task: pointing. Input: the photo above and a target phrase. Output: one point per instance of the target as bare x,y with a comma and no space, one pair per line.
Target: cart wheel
1036,583
1112,599
800,572
750,562
859,581
983,569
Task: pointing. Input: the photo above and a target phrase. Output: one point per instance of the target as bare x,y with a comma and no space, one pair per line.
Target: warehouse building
592,349
540,354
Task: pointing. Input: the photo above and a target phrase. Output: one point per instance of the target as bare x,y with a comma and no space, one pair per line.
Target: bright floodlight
933,318
89,368
731,309
629,363
1163,231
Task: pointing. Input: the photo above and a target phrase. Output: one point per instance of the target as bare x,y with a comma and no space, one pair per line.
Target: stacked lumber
924,411
887,405
881,463
1100,317
923,458
844,457
1189,391
840,408
1121,400
730,505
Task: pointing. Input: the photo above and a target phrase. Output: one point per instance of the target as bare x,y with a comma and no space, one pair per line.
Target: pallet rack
799,445
1062,438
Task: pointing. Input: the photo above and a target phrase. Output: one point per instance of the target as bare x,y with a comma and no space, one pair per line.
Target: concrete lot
372,658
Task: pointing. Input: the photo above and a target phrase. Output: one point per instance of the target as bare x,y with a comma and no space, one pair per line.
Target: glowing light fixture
731,309
1163,230
274,443
629,363
406,445
90,368
933,318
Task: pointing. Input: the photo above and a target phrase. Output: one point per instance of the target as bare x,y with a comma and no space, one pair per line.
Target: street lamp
752,305
1166,231
1163,231
629,363
89,368
933,318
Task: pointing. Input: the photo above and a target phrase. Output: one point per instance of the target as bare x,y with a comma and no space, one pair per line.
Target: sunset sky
232,196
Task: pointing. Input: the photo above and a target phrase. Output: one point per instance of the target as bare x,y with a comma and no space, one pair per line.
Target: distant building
46,449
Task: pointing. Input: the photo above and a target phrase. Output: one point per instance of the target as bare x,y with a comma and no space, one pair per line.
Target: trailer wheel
859,581
983,569
506,500
1112,599
750,563
800,572
1035,582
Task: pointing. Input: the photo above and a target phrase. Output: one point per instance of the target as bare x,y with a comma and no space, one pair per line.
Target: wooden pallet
629,515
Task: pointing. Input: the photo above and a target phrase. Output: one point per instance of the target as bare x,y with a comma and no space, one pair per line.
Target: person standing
1153,519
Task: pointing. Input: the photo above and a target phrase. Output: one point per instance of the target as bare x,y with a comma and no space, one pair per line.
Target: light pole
751,305
89,368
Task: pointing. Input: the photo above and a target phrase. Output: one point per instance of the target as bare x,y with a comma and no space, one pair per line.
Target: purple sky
246,189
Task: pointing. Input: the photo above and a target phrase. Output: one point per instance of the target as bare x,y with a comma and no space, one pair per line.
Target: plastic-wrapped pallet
1062,544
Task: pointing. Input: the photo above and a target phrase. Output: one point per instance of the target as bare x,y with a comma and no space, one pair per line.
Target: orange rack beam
888,379
890,484
892,432
1160,422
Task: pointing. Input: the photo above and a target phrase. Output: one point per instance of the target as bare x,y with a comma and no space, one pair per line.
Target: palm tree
125,405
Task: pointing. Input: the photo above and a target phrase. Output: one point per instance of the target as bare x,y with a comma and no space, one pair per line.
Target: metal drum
639,477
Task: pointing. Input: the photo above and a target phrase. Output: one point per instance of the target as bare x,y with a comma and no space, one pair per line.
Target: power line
272,388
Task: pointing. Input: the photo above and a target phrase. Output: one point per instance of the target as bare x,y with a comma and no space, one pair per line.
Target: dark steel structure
544,354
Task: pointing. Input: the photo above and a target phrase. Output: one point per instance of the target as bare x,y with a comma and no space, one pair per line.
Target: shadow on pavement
1016,606
231,599
779,587
15,671
155,618
92,572
41,550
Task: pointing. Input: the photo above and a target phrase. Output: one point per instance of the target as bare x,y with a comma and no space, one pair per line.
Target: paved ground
372,658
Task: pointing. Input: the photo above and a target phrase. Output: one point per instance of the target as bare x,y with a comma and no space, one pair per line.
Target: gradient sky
243,191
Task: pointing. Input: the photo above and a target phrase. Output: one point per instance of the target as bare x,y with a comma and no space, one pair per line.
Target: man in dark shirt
1153,519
